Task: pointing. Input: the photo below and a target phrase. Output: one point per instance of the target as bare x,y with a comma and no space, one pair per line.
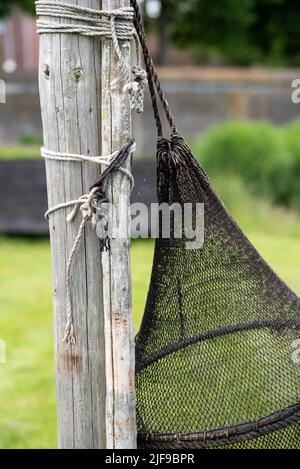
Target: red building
18,43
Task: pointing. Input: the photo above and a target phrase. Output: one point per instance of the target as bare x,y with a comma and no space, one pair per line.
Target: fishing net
214,355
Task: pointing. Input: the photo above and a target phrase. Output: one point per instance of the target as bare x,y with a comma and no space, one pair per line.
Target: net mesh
214,352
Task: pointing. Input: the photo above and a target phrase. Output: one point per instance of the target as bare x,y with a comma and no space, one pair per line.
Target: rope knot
117,25
87,204
93,208
136,88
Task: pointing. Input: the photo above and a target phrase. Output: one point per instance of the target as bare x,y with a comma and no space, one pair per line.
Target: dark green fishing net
215,356
214,352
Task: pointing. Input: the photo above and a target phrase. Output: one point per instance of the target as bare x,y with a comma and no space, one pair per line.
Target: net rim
227,435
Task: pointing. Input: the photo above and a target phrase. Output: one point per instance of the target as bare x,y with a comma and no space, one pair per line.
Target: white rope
87,204
136,88
115,41
98,20
112,24
63,9
102,160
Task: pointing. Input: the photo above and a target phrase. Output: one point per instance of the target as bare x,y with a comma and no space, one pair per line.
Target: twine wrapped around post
116,25
88,205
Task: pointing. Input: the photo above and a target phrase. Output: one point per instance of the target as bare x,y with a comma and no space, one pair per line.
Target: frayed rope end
69,337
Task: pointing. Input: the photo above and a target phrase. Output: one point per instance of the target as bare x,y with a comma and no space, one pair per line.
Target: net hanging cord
153,79
89,205
116,25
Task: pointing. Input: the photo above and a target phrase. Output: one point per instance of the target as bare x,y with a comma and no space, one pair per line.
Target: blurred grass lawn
27,392
24,152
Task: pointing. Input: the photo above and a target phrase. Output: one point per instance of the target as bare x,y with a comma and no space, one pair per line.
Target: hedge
266,157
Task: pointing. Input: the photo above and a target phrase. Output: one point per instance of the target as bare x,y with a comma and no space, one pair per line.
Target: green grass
24,152
27,410
27,402
27,392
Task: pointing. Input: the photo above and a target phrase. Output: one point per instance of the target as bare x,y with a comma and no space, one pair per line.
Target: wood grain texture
119,330
82,114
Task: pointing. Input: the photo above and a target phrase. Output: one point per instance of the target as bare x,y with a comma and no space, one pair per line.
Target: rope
153,79
136,88
116,25
93,22
88,205
102,160
85,204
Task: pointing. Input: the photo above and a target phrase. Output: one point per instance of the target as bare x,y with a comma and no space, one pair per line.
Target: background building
19,43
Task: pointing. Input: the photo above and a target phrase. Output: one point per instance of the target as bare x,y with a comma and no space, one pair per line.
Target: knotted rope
92,22
88,205
153,79
116,25
101,160
136,88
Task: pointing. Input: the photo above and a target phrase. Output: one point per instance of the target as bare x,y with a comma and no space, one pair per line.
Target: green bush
292,141
266,157
31,139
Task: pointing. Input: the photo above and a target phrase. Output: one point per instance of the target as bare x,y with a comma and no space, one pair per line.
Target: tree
6,7
221,27
251,31
276,31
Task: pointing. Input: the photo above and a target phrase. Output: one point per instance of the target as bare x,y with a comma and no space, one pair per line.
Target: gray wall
200,98
23,194
21,113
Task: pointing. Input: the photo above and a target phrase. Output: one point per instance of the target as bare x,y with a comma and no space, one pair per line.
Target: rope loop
116,25
89,205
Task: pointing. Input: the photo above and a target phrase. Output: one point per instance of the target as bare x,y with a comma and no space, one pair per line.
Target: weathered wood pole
85,111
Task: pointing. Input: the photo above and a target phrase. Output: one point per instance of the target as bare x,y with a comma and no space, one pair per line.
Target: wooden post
85,111
119,330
